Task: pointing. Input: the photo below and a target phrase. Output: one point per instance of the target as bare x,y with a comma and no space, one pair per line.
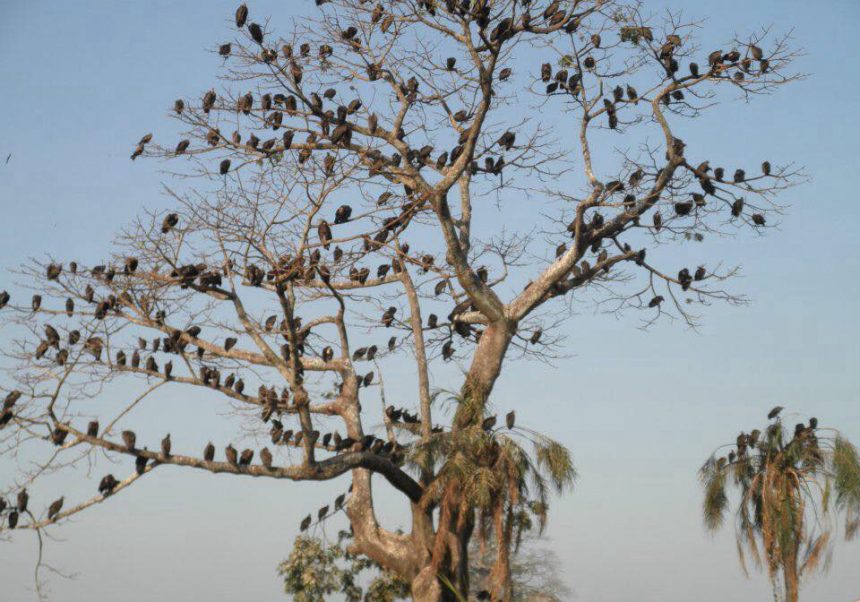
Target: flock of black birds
772,441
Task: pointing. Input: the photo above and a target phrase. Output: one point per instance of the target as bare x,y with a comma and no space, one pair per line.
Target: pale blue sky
81,81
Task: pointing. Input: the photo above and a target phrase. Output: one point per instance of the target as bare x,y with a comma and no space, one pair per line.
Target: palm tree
793,489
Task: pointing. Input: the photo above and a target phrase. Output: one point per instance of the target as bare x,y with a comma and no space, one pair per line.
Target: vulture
322,512
737,208
488,423
53,271
450,62
224,49
632,95
447,350
140,465
388,316
209,452
324,231
224,167
266,457
432,321
13,519
93,428
130,439
656,301
22,499
241,15
392,342
700,273
440,287
256,32
545,72
774,412
510,419
246,457
368,378
11,399
169,223
36,302
209,101
536,335
758,219
4,299
229,343
342,214
182,146
658,221
58,436
813,423
165,446
740,176
765,168
338,502
306,522
232,456
151,365
107,485
54,508
371,352
179,106
135,359
504,74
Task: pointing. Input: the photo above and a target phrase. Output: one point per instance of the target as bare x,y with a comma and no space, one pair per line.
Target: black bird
54,508
510,419
224,167
140,465
774,412
488,423
165,446
13,519
324,231
306,522
107,484
266,457
179,106
246,457
224,49
168,370
23,499
130,439
232,455
256,32
342,214
93,428
241,15
182,146
209,452
392,342
169,223
4,299
536,335
813,423
229,343
37,302
388,316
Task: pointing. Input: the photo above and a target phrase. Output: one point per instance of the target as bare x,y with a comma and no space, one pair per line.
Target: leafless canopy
437,181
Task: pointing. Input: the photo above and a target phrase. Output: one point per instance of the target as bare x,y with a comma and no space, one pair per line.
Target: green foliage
315,570
792,490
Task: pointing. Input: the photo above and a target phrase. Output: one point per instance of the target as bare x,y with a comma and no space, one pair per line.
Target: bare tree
345,184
